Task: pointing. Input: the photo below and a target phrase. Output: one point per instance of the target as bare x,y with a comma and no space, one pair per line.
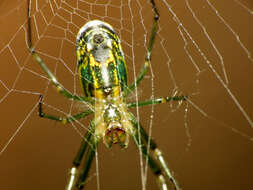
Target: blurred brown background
207,143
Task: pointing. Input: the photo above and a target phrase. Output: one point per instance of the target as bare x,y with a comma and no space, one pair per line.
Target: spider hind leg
155,161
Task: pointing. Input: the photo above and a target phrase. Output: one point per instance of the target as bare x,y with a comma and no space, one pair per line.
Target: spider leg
63,120
77,161
50,75
151,162
55,82
156,101
159,169
146,65
88,146
91,150
87,164
84,144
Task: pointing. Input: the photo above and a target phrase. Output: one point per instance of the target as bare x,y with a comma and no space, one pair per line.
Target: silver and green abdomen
101,63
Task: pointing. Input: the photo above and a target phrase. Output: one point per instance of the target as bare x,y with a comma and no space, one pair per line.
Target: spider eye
98,38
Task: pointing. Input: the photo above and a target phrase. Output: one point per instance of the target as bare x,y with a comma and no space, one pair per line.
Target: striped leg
55,82
63,120
151,162
88,148
146,65
50,75
156,101
160,169
77,161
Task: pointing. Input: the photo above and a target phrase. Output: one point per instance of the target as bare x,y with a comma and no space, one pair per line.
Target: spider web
203,49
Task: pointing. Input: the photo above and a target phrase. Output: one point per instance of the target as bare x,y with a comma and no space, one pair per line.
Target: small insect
103,76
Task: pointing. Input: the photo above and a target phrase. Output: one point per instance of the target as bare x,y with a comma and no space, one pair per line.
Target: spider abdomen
101,63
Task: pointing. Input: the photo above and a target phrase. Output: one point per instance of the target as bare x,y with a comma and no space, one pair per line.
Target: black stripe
93,27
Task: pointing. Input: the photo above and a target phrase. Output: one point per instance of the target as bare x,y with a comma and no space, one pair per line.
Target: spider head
115,132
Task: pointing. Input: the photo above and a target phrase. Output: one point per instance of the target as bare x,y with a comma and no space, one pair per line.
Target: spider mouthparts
116,134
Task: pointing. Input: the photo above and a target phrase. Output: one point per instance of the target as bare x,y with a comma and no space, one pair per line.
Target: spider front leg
159,169
78,159
88,147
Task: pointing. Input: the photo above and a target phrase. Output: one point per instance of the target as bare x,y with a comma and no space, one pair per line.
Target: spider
103,76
